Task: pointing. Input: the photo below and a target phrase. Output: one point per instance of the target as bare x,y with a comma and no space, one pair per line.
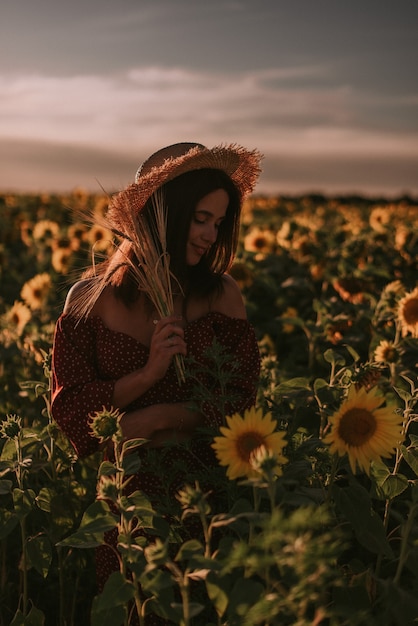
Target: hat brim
241,165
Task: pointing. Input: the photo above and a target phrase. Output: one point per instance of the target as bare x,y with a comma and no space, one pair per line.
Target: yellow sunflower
386,352
35,291
61,260
242,436
379,219
363,429
290,312
45,229
260,240
408,313
100,238
76,233
18,316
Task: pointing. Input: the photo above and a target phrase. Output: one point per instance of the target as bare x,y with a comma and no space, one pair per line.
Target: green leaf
189,549
131,444
217,594
353,353
5,487
106,469
194,608
35,617
388,485
39,552
411,457
44,499
97,520
320,383
23,500
156,582
403,394
414,440
6,466
116,592
8,521
355,504
114,616
294,383
245,593
333,357
18,619
131,464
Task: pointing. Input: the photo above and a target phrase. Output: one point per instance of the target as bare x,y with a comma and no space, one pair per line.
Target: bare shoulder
230,301
74,295
79,294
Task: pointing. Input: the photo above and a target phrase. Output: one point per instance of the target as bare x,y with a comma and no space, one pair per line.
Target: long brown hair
181,196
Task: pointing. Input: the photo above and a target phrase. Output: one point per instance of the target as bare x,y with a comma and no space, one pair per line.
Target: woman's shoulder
230,301
73,296
81,293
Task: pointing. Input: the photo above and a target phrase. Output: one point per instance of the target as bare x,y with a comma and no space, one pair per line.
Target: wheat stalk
151,270
150,267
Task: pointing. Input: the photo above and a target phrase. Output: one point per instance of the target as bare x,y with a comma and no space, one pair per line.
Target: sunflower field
316,521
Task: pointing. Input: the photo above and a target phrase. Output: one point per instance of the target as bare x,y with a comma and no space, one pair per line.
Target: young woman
112,350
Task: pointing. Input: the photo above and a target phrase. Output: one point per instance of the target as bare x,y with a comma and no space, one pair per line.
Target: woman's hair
181,196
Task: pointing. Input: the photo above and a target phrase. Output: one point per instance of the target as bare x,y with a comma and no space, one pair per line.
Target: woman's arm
161,422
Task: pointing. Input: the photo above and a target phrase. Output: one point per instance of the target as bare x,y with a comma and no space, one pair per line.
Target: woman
111,349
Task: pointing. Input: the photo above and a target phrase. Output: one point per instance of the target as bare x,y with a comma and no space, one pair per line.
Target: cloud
83,124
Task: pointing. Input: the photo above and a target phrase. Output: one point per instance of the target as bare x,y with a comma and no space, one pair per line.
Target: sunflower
11,427
105,424
379,219
242,436
61,260
18,316
289,313
386,352
45,230
351,289
363,429
260,240
100,238
76,233
35,291
408,313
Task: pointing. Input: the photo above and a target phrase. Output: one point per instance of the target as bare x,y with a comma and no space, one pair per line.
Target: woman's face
208,216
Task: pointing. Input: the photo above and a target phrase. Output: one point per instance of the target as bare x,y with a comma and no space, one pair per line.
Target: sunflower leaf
355,504
411,458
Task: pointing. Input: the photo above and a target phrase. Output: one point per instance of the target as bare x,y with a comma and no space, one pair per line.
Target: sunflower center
357,426
410,311
247,443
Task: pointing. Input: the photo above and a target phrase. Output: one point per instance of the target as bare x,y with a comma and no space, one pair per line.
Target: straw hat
241,165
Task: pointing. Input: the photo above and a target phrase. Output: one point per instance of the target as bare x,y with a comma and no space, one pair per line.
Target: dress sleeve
77,389
237,338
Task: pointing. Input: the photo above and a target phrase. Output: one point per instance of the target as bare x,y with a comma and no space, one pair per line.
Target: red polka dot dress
88,358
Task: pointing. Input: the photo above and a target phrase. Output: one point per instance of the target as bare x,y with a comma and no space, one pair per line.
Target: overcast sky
326,89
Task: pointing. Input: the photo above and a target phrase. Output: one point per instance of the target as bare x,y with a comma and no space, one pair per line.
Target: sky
327,90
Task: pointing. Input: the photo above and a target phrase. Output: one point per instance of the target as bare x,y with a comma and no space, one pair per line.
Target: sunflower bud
106,488
104,424
11,427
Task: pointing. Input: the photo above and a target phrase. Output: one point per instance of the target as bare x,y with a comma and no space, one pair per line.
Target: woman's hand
167,340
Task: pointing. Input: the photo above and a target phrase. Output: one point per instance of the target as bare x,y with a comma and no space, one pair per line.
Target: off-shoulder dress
88,358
